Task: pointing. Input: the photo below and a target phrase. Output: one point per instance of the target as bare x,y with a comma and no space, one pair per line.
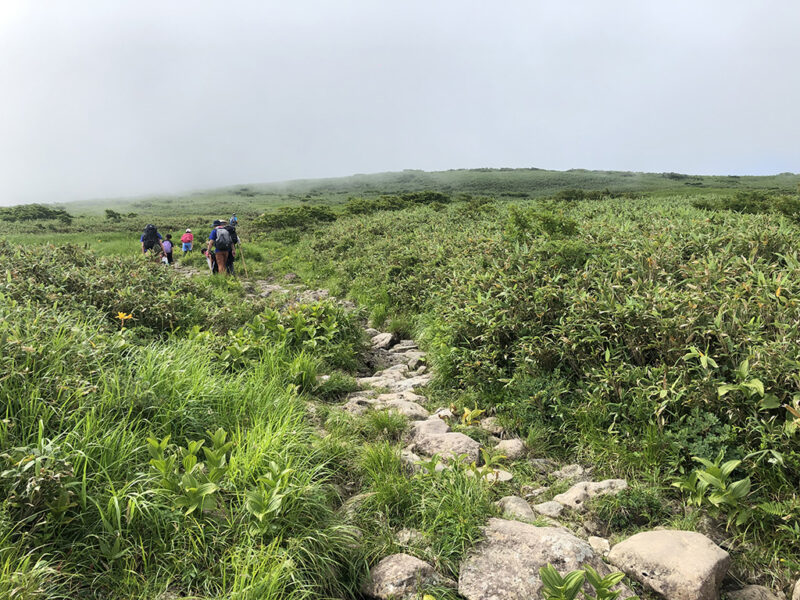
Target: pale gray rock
411,383
415,359
447,445
433,436
505,565
358,405
371,332
576,496
404,345
412,410
796,592
431,426
512,449
754,592
549,509
516,508
600,545
400,577
491,425
570,472
443,413
421,370
409,459
383,341
679,565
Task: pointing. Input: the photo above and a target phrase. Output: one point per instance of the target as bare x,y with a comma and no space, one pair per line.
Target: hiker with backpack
150,239
167,245
220,238
231,228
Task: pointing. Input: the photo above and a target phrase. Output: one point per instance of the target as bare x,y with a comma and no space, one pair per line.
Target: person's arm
211,238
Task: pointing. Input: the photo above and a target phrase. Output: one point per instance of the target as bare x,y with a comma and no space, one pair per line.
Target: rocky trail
531,532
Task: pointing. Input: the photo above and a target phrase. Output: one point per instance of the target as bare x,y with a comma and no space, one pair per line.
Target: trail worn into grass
544,506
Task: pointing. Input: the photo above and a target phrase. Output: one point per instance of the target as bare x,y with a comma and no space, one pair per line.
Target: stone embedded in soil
512,449
754,592
415,359
448,445
576,496
679,565
404,345
549,509
443,413
570,472
412,410
371,332
796,592
505,565
491,425
516,508
600,545
383,341
433,436
401,577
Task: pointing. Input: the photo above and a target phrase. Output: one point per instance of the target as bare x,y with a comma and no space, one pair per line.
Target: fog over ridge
106,99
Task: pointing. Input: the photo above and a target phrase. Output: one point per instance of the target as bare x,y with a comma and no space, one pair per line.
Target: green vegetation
646,324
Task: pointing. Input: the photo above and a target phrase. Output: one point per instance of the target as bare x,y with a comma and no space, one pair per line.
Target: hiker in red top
187,239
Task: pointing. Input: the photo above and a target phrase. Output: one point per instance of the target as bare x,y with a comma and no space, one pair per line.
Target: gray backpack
223,241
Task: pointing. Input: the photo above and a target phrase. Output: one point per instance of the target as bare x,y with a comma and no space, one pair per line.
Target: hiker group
220,249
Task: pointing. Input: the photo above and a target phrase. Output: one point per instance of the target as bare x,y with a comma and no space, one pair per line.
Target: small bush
632,508
336,387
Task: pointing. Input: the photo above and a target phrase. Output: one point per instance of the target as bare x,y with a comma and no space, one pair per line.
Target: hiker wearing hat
187,239
234,220
220,239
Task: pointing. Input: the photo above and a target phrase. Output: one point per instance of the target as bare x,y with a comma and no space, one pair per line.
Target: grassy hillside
645,325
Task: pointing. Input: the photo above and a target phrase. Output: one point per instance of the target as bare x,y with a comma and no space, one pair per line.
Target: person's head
216,223
234,214
169,236
188,231
223,222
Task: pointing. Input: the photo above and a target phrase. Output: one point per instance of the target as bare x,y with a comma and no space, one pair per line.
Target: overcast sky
118,98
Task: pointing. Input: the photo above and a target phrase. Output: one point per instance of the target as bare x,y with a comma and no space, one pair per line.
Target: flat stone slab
433,436
549,509
401,577
505,565
511,449
383,341
679,565
754,592
600,545
576,496
570,472
516,508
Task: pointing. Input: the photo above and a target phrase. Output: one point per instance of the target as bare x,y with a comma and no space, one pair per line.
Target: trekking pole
244,264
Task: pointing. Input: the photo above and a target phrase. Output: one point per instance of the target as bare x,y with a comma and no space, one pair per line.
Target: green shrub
294,217
633,508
